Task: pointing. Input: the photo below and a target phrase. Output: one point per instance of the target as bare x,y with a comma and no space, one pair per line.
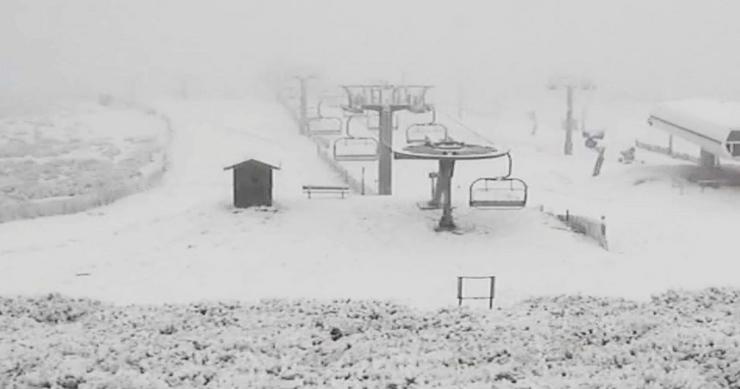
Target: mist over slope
636,49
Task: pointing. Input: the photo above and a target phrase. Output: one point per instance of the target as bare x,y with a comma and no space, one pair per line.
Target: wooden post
568,147
362,184
446,170
493,287
459,291
599,162
385,162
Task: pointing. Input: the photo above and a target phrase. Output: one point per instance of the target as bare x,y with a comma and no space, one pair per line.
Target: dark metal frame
432,123
499,204
354,157
320,116
490,296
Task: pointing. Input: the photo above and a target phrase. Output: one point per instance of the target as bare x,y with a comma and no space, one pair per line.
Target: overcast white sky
642,48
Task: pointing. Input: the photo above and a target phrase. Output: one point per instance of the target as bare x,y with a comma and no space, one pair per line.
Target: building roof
252,160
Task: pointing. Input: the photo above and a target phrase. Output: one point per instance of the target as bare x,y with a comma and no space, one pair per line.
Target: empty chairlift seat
426,132
355,149
498,193
325,126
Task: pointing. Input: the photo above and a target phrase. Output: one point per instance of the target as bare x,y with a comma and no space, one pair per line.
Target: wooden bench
341,190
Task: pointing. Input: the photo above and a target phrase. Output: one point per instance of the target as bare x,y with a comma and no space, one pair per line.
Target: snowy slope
184,242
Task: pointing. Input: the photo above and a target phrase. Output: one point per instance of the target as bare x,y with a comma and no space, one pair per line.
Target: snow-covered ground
183,241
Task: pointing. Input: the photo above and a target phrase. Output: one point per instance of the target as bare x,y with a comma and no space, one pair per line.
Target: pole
459,291
385,163
363,181
568,149
490,296
304,107
446,170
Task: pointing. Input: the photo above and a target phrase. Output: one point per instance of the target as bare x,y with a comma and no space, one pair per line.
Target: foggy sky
648,49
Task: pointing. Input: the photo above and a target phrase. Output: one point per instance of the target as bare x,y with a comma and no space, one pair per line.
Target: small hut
252,183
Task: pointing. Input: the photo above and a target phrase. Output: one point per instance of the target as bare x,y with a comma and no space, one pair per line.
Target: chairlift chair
324,125
503,192
498,193
353,148
427,132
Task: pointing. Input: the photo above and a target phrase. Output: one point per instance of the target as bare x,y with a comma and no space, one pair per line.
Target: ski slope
184,242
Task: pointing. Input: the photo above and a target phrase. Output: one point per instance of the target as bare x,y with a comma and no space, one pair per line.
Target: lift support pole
446,170
385,162
304,106
386,100
568,147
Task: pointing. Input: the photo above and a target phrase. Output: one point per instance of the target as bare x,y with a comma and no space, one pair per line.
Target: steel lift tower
386,100
303,107
570,84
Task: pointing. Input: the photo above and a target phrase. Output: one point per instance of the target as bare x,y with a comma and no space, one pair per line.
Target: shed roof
252,160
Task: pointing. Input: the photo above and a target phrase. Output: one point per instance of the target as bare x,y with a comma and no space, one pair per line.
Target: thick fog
633,48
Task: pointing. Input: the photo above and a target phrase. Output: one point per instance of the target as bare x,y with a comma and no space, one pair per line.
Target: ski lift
498,193
353,148
427,132
324,125
501,192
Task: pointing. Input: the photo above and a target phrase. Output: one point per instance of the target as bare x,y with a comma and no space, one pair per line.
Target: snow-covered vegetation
75,158
676,340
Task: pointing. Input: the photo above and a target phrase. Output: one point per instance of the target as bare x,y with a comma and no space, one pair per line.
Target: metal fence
666,151
593,228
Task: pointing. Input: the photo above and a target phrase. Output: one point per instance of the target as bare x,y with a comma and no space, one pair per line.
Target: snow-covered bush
78,159
677,340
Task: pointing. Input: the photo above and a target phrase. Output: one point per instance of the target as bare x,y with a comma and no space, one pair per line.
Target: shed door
252,186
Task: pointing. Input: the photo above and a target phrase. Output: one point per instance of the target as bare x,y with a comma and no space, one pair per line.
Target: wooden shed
252,183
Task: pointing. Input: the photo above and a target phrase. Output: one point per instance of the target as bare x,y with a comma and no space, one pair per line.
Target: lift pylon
385,100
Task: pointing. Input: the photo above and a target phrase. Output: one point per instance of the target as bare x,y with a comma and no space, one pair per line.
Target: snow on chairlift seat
325,125
424,132
355,149
498,193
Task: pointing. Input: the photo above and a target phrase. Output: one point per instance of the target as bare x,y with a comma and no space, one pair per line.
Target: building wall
252,185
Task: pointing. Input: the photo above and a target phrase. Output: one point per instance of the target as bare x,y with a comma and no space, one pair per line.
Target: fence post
459,291
493,286
362,184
